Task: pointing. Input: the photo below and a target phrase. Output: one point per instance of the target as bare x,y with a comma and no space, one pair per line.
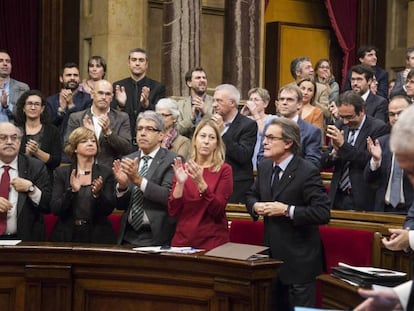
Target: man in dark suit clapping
239,135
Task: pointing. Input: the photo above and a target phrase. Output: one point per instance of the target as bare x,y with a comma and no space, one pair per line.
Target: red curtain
343,16
19,24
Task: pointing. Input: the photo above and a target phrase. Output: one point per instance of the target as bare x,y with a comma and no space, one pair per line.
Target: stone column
241,56
181,46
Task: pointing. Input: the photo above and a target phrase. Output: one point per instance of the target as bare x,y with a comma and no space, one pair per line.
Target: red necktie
4,192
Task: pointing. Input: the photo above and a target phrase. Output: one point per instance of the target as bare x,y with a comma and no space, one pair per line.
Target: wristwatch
31,188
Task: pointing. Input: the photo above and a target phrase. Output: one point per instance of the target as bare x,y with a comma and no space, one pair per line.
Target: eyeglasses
13,138
165,115
324,67
102,93
272,138
147,129
394,114
33,104
349,117
288,99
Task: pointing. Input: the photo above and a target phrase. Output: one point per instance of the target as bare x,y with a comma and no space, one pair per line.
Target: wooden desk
45,276
337,294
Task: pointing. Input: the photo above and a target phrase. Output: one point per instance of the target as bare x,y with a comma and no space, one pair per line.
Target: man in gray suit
111,127
10,89
144,182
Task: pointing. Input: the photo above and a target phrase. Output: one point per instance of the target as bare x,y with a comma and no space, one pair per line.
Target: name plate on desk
236,251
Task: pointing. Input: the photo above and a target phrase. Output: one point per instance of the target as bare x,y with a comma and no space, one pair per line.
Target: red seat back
247,232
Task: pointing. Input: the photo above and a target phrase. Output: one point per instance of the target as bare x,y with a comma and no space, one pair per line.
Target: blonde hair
75,138
218,154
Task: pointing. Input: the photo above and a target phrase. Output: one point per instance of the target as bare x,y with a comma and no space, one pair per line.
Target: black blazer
160,176
157,91
295,241
30,221
377,107
358,156
61,205
51,143
378,179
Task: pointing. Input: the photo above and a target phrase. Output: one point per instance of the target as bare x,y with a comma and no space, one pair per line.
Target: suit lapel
287,177
155,163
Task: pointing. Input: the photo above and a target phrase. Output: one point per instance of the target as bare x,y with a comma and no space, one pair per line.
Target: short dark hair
408,51
364,50
367,71
296,63
352,98
69,65
137,50
410,75
189,73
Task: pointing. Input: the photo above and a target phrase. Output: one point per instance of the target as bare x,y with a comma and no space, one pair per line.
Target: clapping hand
97,184
180,172
120,176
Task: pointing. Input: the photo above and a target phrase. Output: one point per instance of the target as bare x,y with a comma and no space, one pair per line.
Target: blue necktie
395,191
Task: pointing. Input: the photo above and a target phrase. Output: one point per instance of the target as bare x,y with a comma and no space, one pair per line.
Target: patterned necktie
345,181
137,211
275,178
395,191
4,192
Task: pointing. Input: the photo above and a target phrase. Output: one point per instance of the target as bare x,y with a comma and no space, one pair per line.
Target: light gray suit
186,126
16,89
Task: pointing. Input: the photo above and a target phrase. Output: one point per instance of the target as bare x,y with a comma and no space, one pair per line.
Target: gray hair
296,65
169,104
151,115
232,92
402,133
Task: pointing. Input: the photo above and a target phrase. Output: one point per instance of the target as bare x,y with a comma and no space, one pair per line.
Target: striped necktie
137,211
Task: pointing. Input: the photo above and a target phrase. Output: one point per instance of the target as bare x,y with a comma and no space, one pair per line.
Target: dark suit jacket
379,178
295,241
358,156
81,100
157,91
160,175
310,138
398,88
30,221
380,75
62,206
377,107
240,140
113,147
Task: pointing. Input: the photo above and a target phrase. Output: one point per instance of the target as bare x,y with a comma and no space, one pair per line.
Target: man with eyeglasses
25,189
288,105
289,194
367,55
393,191
111,127
348,153
362,76
144,182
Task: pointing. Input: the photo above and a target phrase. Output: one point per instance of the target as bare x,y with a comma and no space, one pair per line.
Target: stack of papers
164,249
367,276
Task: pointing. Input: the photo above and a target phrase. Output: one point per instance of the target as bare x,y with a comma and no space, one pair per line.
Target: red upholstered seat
247,232
115,220
350,246
50,221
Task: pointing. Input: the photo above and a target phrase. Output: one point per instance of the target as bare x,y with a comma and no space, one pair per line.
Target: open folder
237,251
